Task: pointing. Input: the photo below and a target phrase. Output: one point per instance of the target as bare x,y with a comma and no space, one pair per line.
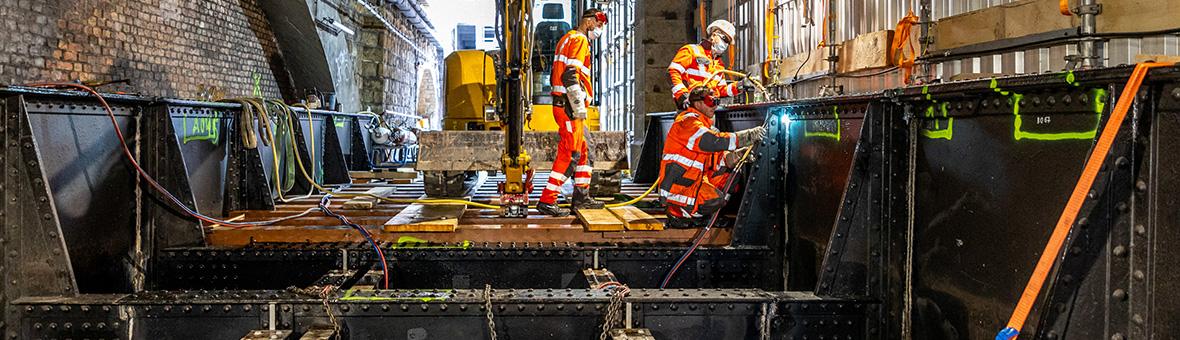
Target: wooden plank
383,174
1012,20
437,218
867,51
1129,16
1139,58
599,220
365,202
635,219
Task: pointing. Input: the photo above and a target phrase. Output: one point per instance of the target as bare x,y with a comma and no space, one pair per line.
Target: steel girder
447,314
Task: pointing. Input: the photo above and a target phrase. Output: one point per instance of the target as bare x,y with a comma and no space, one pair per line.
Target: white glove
577,101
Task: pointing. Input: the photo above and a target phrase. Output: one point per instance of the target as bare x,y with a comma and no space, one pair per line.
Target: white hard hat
724,25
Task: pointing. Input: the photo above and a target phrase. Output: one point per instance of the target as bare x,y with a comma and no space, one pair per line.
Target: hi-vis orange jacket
691,66
573,50
694,157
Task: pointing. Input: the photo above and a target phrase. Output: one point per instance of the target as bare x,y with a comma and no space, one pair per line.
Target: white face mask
719,45
595,33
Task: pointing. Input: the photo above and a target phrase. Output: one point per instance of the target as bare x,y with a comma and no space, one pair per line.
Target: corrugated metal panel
616,68
800,21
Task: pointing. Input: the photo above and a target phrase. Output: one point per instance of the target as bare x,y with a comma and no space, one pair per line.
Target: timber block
436,218
635,219
599,220
366,202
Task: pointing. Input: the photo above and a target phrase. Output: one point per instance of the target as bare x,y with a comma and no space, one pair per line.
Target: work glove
732,158
750,136
577,101
682,103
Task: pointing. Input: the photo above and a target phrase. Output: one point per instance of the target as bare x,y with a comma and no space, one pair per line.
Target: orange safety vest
573,50
691,67
694,154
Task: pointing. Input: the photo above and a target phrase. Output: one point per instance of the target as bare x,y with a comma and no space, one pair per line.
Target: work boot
583,200
680,223
552,210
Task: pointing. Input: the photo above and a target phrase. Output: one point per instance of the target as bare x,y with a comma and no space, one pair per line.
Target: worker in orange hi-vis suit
698,161
696,63
571,99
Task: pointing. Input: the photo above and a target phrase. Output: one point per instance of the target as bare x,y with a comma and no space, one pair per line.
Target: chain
614,311
766,322
324,293
139,261
487,305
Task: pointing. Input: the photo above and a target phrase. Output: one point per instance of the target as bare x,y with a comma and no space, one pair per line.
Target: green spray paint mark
939,132
1071,79
257,84
414,242
1018,121
201,128
440,295
339,121
825,134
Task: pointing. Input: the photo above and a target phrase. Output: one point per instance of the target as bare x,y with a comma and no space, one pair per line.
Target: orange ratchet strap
1074,205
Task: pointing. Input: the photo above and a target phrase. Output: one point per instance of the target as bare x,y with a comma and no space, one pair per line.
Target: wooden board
438,218
1126,16
383,174
635,219
1012,20
365,202
867,51
599,220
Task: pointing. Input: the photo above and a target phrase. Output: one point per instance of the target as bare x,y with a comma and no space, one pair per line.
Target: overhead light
343,28
332,26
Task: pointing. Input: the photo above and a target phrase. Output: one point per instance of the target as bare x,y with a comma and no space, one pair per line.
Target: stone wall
177,48
391,68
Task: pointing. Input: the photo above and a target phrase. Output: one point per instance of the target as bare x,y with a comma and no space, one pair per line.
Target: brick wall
166,47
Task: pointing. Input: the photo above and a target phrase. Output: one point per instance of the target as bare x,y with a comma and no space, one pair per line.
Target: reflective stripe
678,88
695,72
732,142
569,127
688,163
557,176
552,187
690,114
683,200
676,66
693,140
697,49
573,62
583,169
579,181
558,89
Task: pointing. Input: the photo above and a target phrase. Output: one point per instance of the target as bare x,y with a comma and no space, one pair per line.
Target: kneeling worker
698,161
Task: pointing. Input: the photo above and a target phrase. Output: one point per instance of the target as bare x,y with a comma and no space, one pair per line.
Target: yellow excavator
505,91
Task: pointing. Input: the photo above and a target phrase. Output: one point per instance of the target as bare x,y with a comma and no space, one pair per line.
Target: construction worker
698,161
571,101
694,64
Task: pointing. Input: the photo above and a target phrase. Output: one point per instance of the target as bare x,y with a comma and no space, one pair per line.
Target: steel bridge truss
912,213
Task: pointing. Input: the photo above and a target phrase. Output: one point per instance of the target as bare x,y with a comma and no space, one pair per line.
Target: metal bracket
1088,9
334,164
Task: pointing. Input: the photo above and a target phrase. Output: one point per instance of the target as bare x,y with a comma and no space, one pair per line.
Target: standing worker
696,63
698,161
571,101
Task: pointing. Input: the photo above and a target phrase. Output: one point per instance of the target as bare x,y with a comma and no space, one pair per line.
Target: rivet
1119,294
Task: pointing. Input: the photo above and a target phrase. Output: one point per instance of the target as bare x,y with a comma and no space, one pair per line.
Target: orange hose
1074,205
1063,7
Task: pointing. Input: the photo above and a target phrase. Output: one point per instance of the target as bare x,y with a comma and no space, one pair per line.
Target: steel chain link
487,304
614,312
